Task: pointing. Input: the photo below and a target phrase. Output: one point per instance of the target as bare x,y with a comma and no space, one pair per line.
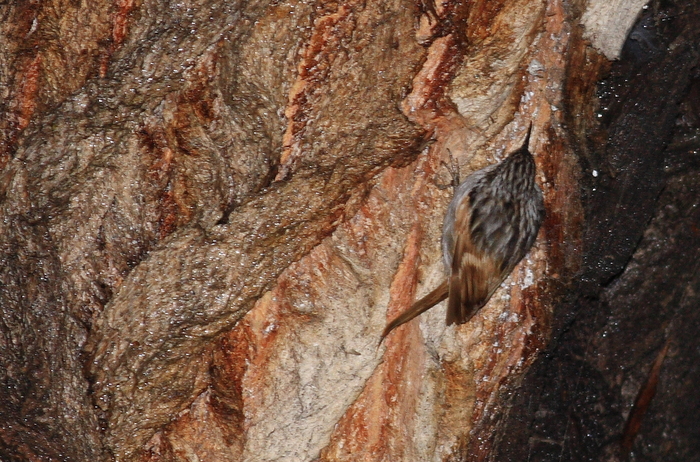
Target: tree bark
210,209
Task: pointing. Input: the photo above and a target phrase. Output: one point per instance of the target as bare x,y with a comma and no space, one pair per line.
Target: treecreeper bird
491,223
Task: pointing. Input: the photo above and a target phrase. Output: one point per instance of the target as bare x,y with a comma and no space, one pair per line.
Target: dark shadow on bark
640,281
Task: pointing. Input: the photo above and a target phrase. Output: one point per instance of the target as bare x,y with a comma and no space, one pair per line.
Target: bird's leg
453,168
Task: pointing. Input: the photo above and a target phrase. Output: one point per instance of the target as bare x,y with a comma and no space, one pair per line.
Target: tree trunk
210,209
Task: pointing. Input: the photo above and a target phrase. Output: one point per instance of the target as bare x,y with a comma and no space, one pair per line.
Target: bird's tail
421,306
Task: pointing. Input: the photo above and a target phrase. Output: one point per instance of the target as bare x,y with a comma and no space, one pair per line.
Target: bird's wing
474,276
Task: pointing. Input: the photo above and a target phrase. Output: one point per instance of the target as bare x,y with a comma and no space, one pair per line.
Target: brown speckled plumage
490,225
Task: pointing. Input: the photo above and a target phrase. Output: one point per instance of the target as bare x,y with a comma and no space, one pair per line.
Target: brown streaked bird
491,223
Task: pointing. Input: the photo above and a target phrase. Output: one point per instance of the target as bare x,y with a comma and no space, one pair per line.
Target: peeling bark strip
641,403
332,27
517,340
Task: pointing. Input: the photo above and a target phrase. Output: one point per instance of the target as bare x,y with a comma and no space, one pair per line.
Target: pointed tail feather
420,307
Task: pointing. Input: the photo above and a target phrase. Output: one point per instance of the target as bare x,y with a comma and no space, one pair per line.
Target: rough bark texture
209,210
638,290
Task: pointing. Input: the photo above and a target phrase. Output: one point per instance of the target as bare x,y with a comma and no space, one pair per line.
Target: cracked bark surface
209,210
639,280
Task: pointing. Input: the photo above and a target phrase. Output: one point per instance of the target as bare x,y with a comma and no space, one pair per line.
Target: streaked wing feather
474,276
